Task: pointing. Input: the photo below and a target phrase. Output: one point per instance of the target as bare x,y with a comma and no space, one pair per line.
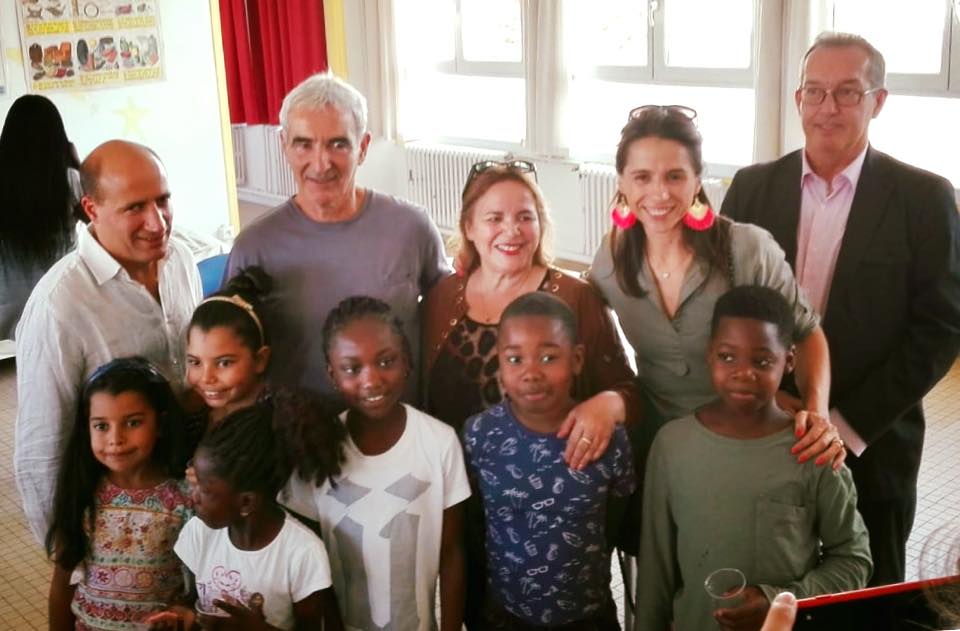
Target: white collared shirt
84,312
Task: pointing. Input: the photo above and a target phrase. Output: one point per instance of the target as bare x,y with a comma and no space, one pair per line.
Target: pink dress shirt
824,209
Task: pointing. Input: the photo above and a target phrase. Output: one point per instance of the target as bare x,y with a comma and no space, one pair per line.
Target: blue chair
211,272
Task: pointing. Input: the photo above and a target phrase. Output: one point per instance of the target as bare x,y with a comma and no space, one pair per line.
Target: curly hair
543,304
259,447
310,432
756,302
355,308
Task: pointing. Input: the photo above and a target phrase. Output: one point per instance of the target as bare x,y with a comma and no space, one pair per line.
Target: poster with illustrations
86,44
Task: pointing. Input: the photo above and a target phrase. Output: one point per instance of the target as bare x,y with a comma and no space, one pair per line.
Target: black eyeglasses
517,166
844,96
683,110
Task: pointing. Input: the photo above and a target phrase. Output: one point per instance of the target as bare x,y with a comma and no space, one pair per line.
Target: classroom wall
178,117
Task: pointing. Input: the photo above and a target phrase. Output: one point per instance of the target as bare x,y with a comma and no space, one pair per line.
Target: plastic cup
725,586
215,612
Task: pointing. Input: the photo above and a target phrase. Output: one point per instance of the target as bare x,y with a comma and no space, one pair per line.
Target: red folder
898,607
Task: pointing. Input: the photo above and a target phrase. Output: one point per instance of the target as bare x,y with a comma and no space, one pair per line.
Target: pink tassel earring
621,214
699,217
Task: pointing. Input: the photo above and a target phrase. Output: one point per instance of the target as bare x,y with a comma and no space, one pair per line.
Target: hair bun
251,283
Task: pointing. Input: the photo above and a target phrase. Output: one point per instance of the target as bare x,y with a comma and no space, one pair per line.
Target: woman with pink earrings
667,259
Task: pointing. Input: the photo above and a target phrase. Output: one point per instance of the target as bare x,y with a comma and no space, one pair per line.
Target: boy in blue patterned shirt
548,560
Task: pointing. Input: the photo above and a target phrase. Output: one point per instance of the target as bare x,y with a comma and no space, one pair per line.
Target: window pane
436,17
904,124
437,105
490,30
910,35
609,33
708,33
598,110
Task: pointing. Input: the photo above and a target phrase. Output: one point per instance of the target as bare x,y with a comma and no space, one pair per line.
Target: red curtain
268,48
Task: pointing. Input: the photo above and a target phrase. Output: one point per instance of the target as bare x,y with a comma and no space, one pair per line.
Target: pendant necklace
665,275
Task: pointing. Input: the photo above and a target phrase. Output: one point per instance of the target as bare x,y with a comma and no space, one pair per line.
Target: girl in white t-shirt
392,520
251,562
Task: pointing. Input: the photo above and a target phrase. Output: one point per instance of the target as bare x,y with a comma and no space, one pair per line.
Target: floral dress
131,570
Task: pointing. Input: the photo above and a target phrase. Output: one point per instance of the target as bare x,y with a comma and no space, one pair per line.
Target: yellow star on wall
132,115
14,54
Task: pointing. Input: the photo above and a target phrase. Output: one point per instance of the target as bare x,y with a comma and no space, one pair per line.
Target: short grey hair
876,66
324,89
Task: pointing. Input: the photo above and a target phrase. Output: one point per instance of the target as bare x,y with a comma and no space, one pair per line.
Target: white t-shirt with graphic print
382,523
289,569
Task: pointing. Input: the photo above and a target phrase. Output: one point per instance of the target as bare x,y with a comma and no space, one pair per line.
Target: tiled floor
24,572
938,495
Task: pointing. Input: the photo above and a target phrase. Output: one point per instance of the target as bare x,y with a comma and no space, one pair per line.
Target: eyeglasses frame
832,93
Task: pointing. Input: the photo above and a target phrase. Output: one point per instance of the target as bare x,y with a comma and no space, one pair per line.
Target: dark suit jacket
893,313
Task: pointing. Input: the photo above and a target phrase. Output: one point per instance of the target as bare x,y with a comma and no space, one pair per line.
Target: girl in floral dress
120,502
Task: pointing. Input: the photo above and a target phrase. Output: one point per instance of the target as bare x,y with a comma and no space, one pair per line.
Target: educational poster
70,44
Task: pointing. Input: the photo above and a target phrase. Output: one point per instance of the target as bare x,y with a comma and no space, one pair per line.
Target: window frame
943,84
701,77
657,72
460,65
954,30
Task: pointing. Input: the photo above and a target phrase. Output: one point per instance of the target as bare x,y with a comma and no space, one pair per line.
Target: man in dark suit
875,243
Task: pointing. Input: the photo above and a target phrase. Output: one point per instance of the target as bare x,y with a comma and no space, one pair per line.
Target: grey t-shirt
390,250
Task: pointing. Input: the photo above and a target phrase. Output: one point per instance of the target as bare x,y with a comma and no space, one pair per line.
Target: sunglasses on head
682,110
516,166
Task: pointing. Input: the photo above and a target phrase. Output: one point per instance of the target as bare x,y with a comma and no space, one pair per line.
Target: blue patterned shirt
547,555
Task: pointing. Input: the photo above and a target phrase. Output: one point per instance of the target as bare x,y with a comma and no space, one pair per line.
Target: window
698,53
490,35
921,47
461,71
924,64
464,78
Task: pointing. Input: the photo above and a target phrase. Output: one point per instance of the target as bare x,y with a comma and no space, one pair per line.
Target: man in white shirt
127,289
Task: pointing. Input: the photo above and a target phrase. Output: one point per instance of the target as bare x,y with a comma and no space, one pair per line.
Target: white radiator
279,176
436,178
238,134
598,184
